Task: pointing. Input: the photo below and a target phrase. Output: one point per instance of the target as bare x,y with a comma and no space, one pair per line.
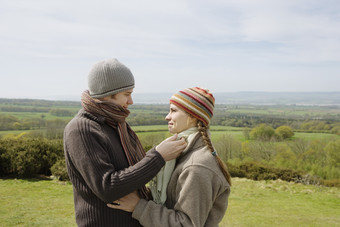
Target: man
104,158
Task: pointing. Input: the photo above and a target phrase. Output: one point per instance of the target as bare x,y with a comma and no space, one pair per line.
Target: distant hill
253,98
279,98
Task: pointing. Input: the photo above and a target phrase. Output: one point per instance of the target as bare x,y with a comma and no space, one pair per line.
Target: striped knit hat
197,102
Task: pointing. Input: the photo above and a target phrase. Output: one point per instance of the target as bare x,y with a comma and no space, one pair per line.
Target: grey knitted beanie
109,77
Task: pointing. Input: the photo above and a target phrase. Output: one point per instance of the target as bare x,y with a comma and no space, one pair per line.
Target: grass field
30,115
218,131
35,203
284,110
279,203
13,132
252,203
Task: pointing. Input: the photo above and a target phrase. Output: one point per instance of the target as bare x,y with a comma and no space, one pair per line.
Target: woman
199,186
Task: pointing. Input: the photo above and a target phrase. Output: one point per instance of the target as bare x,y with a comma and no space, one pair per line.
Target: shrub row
257,171
26,157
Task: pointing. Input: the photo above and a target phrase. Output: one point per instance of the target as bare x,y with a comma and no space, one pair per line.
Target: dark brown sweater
100,173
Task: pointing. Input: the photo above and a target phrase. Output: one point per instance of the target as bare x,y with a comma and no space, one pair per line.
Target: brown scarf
115,116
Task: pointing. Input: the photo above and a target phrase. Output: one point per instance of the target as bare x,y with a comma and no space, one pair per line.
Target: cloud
237,43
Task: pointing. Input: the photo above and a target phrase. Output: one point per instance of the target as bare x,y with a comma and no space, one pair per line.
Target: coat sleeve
89,161
197,189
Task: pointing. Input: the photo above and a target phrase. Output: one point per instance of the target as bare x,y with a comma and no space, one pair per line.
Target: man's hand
171,148
127,203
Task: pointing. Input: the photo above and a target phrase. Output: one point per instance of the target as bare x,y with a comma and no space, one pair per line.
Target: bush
308,179
27,162
333,153
59,170
5,163
29,156
235,171
284,132
331,183
257,171
262,132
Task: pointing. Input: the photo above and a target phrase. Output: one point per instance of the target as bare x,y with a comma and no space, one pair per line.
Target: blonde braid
204,132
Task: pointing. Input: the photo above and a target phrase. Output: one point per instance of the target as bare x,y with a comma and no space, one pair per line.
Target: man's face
123,98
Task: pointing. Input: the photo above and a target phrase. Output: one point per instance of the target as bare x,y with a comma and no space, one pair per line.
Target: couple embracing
189,185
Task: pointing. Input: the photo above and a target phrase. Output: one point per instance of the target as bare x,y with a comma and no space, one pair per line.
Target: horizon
230,98
145,93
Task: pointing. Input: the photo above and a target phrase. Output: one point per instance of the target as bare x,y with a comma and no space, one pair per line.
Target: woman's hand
127,203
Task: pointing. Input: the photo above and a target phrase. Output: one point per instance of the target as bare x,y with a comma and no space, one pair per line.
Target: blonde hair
204,132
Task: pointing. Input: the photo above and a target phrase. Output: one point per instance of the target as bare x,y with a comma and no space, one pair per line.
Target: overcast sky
49,46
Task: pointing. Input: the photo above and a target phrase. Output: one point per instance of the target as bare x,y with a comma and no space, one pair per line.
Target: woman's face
179,120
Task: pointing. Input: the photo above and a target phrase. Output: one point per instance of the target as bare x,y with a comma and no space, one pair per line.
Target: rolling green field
33,202
13,132
284,110
30,115
218,131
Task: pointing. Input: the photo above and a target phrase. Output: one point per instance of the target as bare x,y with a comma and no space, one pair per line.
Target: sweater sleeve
89,160
197,189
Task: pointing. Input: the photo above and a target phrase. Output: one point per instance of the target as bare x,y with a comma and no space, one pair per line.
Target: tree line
306,124
37,103
318,157
9,122
307,119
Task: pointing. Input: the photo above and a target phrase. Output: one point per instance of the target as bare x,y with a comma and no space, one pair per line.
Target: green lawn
279,203
251,203
36,203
